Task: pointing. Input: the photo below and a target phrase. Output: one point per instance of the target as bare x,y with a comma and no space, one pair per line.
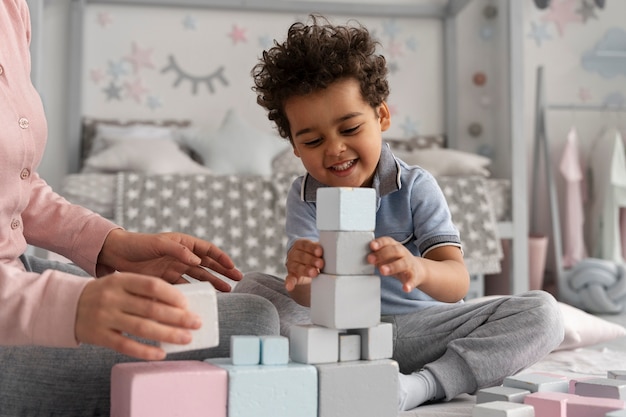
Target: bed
156,146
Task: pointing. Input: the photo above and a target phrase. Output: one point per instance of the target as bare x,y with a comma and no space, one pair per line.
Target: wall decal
195,80
104,19
116,69
113,91
409,127
586,11
615,100
139,58
238,35
608,56
539,32
135,90
561,13
189,22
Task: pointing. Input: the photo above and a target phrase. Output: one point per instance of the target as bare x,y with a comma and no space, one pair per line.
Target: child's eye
313,142
351,130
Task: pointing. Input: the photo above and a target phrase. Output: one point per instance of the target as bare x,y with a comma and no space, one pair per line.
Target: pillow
138,131
449,162
581,328
237,148
288,163
154,156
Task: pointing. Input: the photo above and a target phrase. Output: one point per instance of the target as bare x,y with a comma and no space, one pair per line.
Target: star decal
113,91
409,127
139,58
154,102
539,32
561,13
584,94
135,90
116,69
189,22
96,75
104,19
391,28
238,35
394,49
586,11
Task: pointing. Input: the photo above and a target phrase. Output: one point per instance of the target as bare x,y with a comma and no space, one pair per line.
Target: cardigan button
24,122
25,173
15,223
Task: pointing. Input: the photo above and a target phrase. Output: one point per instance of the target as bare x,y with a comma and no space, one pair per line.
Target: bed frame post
77,9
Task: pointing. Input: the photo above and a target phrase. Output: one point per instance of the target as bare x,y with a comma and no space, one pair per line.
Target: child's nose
335,147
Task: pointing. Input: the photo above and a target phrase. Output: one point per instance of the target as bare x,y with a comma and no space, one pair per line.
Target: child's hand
393,259
304,262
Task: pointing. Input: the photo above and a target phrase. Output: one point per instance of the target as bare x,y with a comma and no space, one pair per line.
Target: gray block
500,393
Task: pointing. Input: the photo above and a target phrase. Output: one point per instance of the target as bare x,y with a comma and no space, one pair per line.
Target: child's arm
440,274
304,262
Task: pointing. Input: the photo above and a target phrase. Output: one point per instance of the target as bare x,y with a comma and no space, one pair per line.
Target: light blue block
245,350
274,350
534,382
270,391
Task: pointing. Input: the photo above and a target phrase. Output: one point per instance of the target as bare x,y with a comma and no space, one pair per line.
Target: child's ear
384,116
295,151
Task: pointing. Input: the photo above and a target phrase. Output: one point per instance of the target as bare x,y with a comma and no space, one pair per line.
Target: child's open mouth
344,166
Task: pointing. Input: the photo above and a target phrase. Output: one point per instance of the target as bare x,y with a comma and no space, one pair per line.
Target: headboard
191,59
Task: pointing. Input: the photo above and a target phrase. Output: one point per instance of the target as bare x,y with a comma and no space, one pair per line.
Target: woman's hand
168,256
119,304
304,262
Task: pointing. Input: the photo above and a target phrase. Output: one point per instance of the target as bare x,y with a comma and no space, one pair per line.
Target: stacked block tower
337,366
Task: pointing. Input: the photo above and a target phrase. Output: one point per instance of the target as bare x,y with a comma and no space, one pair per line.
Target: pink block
548,403
573,381
169,388
592,406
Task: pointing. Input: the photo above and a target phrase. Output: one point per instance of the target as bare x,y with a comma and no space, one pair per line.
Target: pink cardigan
35,309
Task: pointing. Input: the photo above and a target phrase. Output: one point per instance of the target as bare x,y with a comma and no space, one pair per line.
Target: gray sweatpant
467,346
42,381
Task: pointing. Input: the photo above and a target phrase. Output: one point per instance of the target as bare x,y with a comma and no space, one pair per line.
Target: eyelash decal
195,80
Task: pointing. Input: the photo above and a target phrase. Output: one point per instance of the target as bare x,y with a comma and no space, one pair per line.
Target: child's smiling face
337,134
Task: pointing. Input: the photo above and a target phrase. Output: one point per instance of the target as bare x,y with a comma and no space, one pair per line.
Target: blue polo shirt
410,207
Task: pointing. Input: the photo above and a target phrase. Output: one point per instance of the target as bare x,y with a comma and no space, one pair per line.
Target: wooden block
274,350
245,350
549,404
500,393
269,391
313,344
376,341
202,300
347,209
536,382
616,374
349,347
168,388
502,409
345,253
345,301
601,387
358,388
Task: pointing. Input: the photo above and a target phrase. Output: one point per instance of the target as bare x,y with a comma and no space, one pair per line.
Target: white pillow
450,162
581,328
154,156
237,148
104,132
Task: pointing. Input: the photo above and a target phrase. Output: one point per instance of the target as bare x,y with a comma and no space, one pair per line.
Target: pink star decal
104,19
96,75
394,48
561,13
135,90
139,58
238,34
393,109
584,94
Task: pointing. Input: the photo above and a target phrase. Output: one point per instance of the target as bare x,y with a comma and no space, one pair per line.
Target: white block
508,394
502,409
349,347
616,374
347,209
245,350
535,382
313,344
358,388
345,253
270,391
274,350
345,301
376,341
202,300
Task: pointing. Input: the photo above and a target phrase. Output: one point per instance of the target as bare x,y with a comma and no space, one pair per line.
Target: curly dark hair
313,57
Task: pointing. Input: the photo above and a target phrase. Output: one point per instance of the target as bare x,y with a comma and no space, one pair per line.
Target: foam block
617,413
573,381
508,394
358,388
548,404
535,382
202,300
270,391
601,387
274,350
559,404
347,209
313,344
345,253
376,341
169,388
502,409
349,347
245,350
616,374
345,301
